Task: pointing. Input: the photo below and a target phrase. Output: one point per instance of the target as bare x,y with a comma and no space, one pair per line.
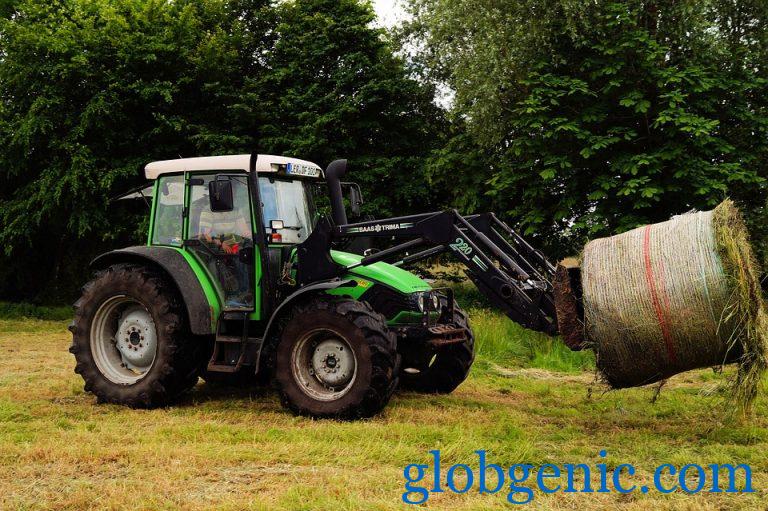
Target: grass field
528,399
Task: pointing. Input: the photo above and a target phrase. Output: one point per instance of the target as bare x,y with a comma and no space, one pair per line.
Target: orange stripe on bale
657,304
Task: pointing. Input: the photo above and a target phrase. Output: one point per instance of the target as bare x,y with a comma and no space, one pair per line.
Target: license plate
298,169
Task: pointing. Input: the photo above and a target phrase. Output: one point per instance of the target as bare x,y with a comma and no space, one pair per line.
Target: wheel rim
324,364
123,340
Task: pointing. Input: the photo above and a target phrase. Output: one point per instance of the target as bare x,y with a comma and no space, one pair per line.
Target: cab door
223,240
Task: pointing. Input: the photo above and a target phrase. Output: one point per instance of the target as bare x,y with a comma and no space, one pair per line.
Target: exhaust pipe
333,174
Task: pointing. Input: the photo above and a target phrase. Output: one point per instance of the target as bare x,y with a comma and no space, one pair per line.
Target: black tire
177,357
450,366
373,346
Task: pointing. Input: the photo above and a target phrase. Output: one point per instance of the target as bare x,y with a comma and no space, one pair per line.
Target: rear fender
200,312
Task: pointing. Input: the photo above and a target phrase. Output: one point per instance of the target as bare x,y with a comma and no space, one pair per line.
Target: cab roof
264,163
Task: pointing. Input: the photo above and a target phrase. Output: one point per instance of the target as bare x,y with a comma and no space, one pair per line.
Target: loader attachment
504,267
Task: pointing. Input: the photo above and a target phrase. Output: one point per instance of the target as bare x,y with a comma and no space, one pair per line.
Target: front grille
389,302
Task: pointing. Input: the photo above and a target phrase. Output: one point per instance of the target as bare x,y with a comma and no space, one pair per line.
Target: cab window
220,231
291,202
168,211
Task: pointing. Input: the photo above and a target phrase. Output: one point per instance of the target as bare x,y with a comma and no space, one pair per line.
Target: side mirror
276,225
220,195
355,200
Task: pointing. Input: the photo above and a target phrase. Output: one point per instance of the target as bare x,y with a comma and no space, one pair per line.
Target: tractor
243,280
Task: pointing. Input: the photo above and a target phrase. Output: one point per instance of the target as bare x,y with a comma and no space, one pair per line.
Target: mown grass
526,400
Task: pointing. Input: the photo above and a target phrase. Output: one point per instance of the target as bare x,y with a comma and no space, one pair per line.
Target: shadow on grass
266,398
205,392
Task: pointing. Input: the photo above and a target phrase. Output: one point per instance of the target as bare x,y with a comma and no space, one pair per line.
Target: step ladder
231,352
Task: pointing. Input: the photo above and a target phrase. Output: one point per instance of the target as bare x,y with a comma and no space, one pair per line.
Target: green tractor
242,281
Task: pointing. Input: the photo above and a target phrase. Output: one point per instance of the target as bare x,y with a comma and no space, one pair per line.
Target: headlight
427,299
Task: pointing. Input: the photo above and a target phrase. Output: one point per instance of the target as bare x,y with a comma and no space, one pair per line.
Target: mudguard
178,270
305,291
293,298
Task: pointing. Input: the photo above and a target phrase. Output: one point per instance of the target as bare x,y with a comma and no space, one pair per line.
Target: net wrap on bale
669,297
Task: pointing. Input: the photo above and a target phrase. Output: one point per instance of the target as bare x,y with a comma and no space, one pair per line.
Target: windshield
291,202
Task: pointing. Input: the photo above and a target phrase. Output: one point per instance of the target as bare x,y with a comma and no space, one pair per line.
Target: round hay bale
675,296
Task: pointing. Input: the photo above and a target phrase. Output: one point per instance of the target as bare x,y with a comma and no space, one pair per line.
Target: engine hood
384,273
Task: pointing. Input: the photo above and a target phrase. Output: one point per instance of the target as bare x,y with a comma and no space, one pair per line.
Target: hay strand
746,310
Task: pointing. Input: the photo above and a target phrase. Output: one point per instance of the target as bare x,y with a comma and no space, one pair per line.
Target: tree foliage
91,90
336,90
572,118
599,116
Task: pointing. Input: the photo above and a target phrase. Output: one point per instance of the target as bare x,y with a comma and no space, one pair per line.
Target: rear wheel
440,371
130,338
336,358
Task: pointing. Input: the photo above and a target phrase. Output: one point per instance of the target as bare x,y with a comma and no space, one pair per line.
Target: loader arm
504,267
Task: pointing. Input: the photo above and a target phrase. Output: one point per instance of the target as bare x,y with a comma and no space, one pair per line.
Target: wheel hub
333,363
135,339
123,340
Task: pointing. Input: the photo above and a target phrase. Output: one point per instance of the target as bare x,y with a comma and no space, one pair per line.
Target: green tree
600,116
91,90
7,8
335,89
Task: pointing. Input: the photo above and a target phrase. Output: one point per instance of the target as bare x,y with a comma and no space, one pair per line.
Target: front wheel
441,371
336,358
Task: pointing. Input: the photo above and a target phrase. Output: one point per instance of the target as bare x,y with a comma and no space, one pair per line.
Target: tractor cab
228,211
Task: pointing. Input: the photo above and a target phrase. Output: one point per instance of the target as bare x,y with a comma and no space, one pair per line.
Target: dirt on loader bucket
570,311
